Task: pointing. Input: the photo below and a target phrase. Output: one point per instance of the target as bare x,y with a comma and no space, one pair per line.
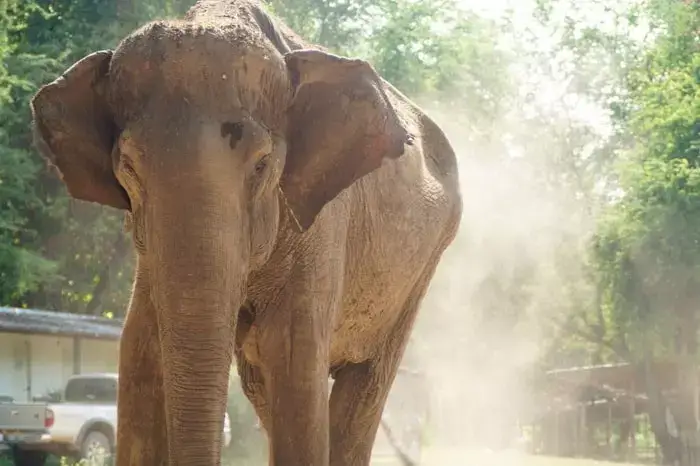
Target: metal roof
31,321
96,375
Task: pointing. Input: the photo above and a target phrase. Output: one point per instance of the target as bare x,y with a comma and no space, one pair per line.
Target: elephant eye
261,164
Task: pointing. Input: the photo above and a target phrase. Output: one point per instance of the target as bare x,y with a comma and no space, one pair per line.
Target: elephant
288,209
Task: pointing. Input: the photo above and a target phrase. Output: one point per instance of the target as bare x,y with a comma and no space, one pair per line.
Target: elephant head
207,135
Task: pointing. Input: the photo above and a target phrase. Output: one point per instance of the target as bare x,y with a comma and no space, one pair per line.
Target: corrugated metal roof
31,321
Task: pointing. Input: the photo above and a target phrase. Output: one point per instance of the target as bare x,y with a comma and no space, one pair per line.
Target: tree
55,252
22,268
647,249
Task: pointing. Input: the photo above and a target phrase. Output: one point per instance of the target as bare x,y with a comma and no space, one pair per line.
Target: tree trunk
661,419
687,405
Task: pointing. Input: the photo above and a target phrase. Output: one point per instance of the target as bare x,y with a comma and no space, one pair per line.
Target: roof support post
77,355
28,366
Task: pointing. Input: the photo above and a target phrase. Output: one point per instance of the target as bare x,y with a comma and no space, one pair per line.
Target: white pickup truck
85,421
22,423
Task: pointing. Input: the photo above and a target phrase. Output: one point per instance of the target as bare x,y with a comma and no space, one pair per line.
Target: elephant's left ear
341,126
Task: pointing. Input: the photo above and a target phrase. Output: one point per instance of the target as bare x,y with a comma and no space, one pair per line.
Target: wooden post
657,453
696,399
28,364
696,412
556,432
77,355
608,431
573,443
632,452
583,432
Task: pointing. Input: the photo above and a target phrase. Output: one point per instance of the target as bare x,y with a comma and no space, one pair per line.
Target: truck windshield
91,390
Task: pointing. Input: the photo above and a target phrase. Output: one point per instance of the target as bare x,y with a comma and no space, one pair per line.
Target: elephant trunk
197,254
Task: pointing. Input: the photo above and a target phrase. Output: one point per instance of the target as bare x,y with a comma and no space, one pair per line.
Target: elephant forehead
212,67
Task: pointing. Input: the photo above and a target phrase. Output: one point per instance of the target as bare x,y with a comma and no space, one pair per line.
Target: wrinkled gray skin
286,204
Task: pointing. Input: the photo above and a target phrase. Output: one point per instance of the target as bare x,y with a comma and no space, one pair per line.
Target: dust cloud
507,285
488,316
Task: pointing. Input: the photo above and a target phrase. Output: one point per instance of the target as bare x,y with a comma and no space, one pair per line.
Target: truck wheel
28,457
96,449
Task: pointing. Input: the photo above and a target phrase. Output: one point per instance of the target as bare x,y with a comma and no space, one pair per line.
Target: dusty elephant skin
286,205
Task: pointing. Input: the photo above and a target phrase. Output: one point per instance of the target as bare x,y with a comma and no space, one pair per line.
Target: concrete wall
31,365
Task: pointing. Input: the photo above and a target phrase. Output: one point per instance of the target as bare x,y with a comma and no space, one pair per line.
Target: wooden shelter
597,411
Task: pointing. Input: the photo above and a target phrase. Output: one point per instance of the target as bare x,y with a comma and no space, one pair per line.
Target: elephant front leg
293,355
359,394
141,434
361,390
296,378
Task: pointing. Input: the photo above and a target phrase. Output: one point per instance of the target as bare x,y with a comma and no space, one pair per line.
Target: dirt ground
486,458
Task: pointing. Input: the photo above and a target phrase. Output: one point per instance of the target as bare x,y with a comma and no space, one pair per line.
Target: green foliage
58,253
336,24
432,50
639,184
436,52
666,90
22,268
647,248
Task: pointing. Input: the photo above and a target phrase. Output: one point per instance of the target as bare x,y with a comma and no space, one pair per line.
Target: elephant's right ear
73,128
